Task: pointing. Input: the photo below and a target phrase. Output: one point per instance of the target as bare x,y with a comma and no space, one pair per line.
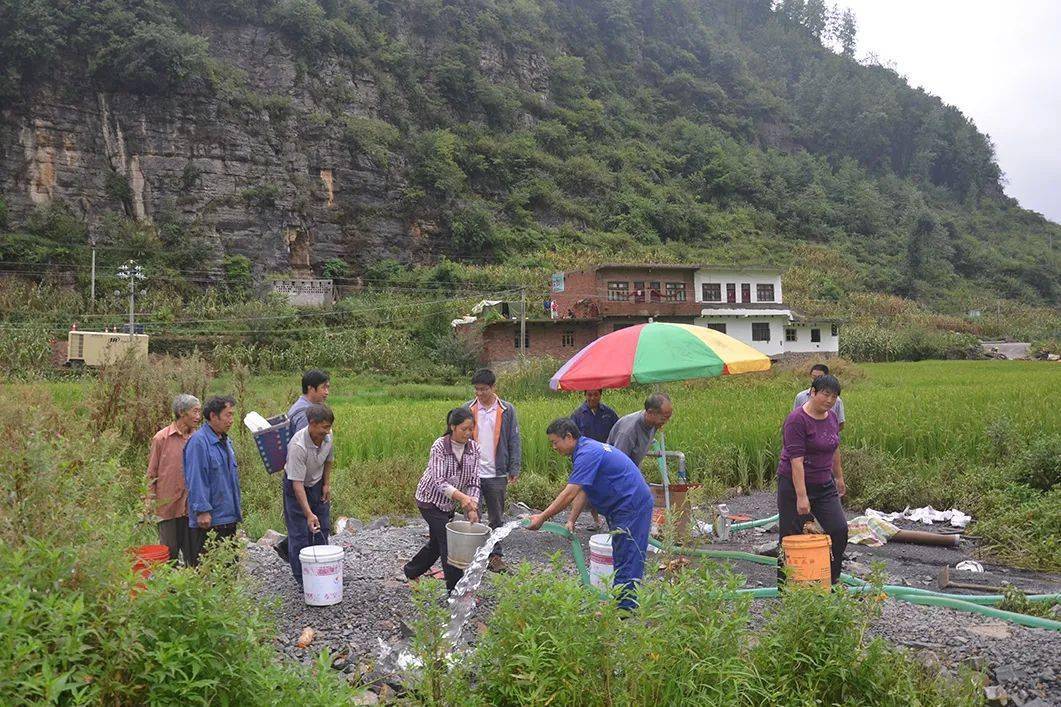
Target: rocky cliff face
265,173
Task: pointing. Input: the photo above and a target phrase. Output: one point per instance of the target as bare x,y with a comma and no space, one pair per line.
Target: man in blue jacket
212,478
609,480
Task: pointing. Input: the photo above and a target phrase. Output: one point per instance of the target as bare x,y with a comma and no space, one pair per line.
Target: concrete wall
829,344
737,278
741,328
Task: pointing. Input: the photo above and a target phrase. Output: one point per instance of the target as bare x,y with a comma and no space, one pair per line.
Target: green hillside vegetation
718,130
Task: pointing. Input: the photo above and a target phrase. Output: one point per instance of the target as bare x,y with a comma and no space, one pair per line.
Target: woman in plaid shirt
451,478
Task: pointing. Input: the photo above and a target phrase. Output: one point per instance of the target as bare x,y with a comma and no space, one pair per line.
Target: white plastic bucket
462,540
322,574
601,566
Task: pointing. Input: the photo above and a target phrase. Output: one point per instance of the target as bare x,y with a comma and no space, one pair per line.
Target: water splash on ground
462,600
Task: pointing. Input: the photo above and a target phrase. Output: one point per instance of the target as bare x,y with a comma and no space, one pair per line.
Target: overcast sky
999,62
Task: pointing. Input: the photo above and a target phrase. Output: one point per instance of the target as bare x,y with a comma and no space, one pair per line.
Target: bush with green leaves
77,631
691,641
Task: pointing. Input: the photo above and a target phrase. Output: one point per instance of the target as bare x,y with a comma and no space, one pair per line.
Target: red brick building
593,302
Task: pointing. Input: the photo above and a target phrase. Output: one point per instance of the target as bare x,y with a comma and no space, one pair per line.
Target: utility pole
523,322
134,274
92,296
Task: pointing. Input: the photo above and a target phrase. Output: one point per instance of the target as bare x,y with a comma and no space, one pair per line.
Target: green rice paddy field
948,433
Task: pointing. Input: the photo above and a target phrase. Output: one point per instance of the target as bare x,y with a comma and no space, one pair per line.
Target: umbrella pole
663,471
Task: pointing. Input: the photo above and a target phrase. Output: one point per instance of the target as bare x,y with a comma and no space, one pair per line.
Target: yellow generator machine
99,348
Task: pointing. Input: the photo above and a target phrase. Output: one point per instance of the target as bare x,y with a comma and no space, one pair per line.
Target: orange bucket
145,558
808,559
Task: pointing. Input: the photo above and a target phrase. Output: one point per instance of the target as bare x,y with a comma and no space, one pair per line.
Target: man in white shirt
307,485
500,453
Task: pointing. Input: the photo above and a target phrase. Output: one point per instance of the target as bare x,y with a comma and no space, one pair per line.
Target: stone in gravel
930,661
1037,702
767,548
270,538
996,695
1007,673
381,522
857,568
990,630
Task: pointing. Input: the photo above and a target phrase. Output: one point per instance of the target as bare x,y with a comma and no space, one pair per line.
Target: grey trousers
177,536
492,495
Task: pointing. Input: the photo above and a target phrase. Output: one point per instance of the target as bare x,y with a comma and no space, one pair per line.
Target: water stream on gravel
462,600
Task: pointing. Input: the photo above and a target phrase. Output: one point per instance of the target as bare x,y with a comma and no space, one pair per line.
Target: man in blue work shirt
595,420
212,478
611,482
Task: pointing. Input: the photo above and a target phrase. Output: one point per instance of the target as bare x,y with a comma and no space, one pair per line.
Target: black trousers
177,536
492,497
825,507
199,538
435,548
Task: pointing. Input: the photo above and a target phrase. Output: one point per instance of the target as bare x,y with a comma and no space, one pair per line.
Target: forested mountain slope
295,132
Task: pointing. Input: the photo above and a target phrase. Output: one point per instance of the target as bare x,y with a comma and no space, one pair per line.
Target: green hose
913,595
754,523
576,547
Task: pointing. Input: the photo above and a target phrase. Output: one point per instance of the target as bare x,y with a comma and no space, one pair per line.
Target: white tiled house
747,304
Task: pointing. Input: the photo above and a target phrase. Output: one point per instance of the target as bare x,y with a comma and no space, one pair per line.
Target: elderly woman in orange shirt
165,476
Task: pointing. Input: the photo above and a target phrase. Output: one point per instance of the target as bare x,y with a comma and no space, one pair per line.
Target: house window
731,292
717,326
764,292
790,334
639,291
760,331
526,341
816,335
835,331
745,292
618,291
712,291
676,291
654,293
567,338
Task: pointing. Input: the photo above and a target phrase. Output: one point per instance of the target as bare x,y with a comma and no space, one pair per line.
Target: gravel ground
1025,662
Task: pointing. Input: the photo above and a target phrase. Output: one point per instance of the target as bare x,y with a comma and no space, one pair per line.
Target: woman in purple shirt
810,479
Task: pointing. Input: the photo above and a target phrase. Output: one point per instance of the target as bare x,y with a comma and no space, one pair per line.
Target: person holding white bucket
451,478
307,485
607,478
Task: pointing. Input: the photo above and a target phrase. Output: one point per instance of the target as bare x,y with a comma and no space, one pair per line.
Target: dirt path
377,606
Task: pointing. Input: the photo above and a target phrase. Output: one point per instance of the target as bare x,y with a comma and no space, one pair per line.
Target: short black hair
314,378
457,417
820,367
319,413
484,376
216,405
656,400
826,383
562,427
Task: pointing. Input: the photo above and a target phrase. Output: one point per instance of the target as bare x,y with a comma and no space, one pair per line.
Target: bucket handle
320,533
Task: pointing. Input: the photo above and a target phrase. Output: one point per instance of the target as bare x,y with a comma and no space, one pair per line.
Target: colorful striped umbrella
655,353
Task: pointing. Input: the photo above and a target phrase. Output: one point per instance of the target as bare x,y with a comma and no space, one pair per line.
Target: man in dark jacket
595,420
497,433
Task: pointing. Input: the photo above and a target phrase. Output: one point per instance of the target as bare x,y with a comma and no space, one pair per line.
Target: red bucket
145,558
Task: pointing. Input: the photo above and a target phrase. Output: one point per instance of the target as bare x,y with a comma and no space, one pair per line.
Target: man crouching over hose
614,486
